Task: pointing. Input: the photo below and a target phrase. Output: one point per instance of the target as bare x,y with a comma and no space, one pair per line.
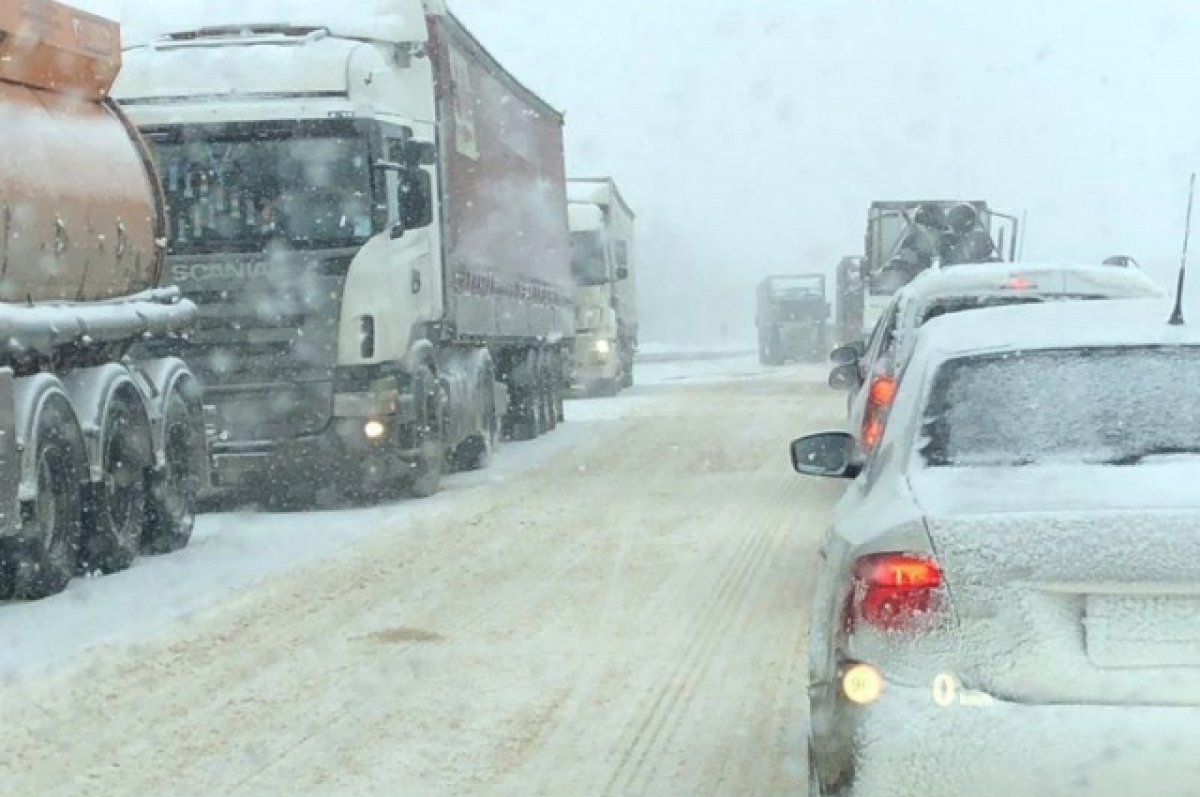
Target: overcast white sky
751,135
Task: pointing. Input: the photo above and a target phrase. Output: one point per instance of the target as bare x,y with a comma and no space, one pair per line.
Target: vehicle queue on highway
1012,574
296,260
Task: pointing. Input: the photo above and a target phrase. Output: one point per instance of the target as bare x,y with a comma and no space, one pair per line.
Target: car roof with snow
1016,283
1119,322
1034,278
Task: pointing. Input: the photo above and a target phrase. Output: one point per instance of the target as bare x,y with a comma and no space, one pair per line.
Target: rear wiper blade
1134,457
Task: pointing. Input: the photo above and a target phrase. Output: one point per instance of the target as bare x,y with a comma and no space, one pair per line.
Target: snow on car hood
948,492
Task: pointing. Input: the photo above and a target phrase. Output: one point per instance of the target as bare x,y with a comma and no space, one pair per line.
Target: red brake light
1019,284
895,591
883,391
879,399
872,432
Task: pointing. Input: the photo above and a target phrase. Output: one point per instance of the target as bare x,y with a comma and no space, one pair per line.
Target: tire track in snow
668,703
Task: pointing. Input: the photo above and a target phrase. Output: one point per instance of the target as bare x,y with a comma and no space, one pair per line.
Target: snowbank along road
619,609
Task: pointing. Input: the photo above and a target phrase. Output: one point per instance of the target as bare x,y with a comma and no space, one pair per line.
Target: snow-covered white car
1008,601
871,378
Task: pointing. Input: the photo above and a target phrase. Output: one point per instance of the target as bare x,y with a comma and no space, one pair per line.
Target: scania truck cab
369,212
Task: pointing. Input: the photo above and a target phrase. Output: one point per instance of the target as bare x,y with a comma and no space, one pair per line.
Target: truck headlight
602,346
374,430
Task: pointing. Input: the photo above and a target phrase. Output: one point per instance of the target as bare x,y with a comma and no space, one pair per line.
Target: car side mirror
829,454
844,377
848,354
622,273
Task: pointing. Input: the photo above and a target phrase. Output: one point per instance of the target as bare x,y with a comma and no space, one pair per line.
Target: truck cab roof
393,21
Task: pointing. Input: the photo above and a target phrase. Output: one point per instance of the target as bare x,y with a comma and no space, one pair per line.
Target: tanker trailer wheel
41,560
549,389
524,420
171,501
475,452
429,437
114,513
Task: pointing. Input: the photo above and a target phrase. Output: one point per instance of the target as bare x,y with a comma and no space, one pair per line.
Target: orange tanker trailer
102,446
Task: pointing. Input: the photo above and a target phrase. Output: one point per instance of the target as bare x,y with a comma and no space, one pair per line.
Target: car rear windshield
1095,405
958,304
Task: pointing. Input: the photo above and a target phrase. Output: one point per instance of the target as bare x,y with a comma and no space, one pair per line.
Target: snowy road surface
617,609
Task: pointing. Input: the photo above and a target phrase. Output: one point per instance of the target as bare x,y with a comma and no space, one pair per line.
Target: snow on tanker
371,214
102,452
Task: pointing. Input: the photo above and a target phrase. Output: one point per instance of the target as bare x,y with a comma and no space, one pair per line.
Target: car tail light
895,592
880,396
1019,283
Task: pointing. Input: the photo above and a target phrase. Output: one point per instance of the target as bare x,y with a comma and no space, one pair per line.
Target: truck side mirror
424,153
622,273
416,199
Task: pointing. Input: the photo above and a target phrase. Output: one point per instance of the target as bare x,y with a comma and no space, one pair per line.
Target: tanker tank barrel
45,328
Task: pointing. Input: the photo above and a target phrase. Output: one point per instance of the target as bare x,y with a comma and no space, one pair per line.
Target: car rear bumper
908,744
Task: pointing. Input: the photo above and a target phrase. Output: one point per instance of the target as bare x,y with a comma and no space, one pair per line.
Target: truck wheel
475,452
425,478
524,418
115,511
549,389
171,502
561,385
42,559
627,374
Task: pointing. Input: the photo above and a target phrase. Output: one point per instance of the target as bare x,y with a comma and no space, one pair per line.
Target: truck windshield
589,265
798,287
237,188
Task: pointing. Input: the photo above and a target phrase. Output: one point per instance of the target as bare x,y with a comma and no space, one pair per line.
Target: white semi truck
603,258
370,213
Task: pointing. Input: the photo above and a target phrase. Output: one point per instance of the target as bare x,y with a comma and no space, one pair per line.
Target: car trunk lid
1093,605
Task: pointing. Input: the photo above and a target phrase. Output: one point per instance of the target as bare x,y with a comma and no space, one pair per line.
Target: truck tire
41,560
429,439
547,371
562,383
114,512
524,421
171,501
475,452
627,369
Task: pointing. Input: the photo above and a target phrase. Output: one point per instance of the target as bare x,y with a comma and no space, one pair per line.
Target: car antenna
1177,313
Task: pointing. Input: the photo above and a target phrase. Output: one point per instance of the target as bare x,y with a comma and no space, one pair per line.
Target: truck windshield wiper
1135,457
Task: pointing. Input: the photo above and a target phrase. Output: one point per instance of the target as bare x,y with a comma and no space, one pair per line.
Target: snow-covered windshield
234,188
1099,405
798,287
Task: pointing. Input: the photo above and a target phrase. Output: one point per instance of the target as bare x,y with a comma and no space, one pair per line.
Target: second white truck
603,258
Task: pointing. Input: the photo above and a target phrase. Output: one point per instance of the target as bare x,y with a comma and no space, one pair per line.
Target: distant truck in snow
906,237
603,265
792,317
371,214
102,446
